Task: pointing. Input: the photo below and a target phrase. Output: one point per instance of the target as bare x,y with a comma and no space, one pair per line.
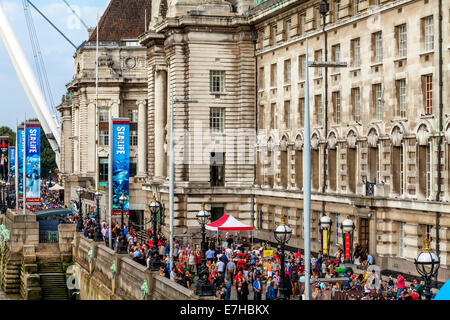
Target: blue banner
33,163
12,163
120,165
20,151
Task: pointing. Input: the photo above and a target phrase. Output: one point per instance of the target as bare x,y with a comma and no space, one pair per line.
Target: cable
79,18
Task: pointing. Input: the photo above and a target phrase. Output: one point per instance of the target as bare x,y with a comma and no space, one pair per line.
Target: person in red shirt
240,264
238,276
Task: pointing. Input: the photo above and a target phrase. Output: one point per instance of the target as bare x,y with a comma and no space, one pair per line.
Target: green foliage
7,131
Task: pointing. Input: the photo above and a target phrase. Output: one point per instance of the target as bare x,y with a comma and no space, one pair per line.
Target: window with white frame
217,119
318,57
133,115
429,33
402,170
337,5
428,166
428,94
402,98
378,101
356,52
402,40
378,42
104,137
103,115
357,104
133,137
217,81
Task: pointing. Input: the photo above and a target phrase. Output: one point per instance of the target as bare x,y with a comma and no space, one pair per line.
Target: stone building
122,92
239,140
381,143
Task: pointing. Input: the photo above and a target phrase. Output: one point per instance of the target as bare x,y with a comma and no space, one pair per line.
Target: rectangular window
378,100
217,169
319,109
401,239
429,33
261,124
401,40
302,67
336,54
318,57
287,71
355,6
103,169
337,5
216,119
273,34
303,22
356,54
261,78
337,106
273,118
103,115
301,110
133,115
428,166
356,97
104,138
378,47
428,79
288,29
287,114
133,137
273,75
402,170
402,98
217,81
133,167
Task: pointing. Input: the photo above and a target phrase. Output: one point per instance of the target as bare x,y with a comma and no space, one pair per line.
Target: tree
7,131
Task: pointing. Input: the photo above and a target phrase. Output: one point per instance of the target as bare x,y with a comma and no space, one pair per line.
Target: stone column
76,160
160,120
142,145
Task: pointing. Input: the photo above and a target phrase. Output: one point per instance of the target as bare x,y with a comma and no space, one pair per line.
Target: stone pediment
422,135
372,138
396,136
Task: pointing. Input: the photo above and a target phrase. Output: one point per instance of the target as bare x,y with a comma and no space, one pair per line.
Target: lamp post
427,265
7,186
155,262
122,247
347,228
98,237
325,226
204,287
282,234
80,211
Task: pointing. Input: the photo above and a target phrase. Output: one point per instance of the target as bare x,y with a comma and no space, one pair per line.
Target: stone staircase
53,281
12,277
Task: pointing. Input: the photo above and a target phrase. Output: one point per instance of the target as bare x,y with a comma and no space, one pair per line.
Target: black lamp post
98,237
325,226
427,265
80,211
282,234
347,228
204,287
155,262
122,247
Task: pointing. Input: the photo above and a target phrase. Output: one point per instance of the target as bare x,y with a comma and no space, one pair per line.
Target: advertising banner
20,153
325,241
33,163
4,158
120,165
12,163
347,246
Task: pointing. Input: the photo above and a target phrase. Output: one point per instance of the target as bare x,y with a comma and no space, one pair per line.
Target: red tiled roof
123,19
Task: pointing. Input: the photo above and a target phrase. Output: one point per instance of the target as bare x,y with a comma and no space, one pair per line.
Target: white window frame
428,171
402,95
104,137
217,81
402,41
217,119
338,107
102,112
378,93
357,104
429,33
356,52
378,47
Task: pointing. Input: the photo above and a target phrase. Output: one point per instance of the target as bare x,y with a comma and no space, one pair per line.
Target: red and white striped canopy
227,223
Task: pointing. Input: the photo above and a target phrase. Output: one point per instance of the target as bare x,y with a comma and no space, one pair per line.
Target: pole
110,180
24,184
324,187
307,182
96,113
171,178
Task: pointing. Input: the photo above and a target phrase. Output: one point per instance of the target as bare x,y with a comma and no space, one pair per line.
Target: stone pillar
160,120
76,160
142,124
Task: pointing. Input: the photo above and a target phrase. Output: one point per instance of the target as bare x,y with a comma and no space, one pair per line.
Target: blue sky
56,51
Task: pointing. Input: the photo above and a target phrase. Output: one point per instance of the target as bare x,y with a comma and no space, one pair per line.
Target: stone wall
97,281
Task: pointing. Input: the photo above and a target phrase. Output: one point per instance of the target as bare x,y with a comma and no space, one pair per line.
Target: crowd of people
241,271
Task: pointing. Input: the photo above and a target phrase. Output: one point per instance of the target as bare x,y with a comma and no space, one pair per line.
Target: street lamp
282,234
98,237
427,265
122,247
80,211
155,207
325,226
347,228
204,287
